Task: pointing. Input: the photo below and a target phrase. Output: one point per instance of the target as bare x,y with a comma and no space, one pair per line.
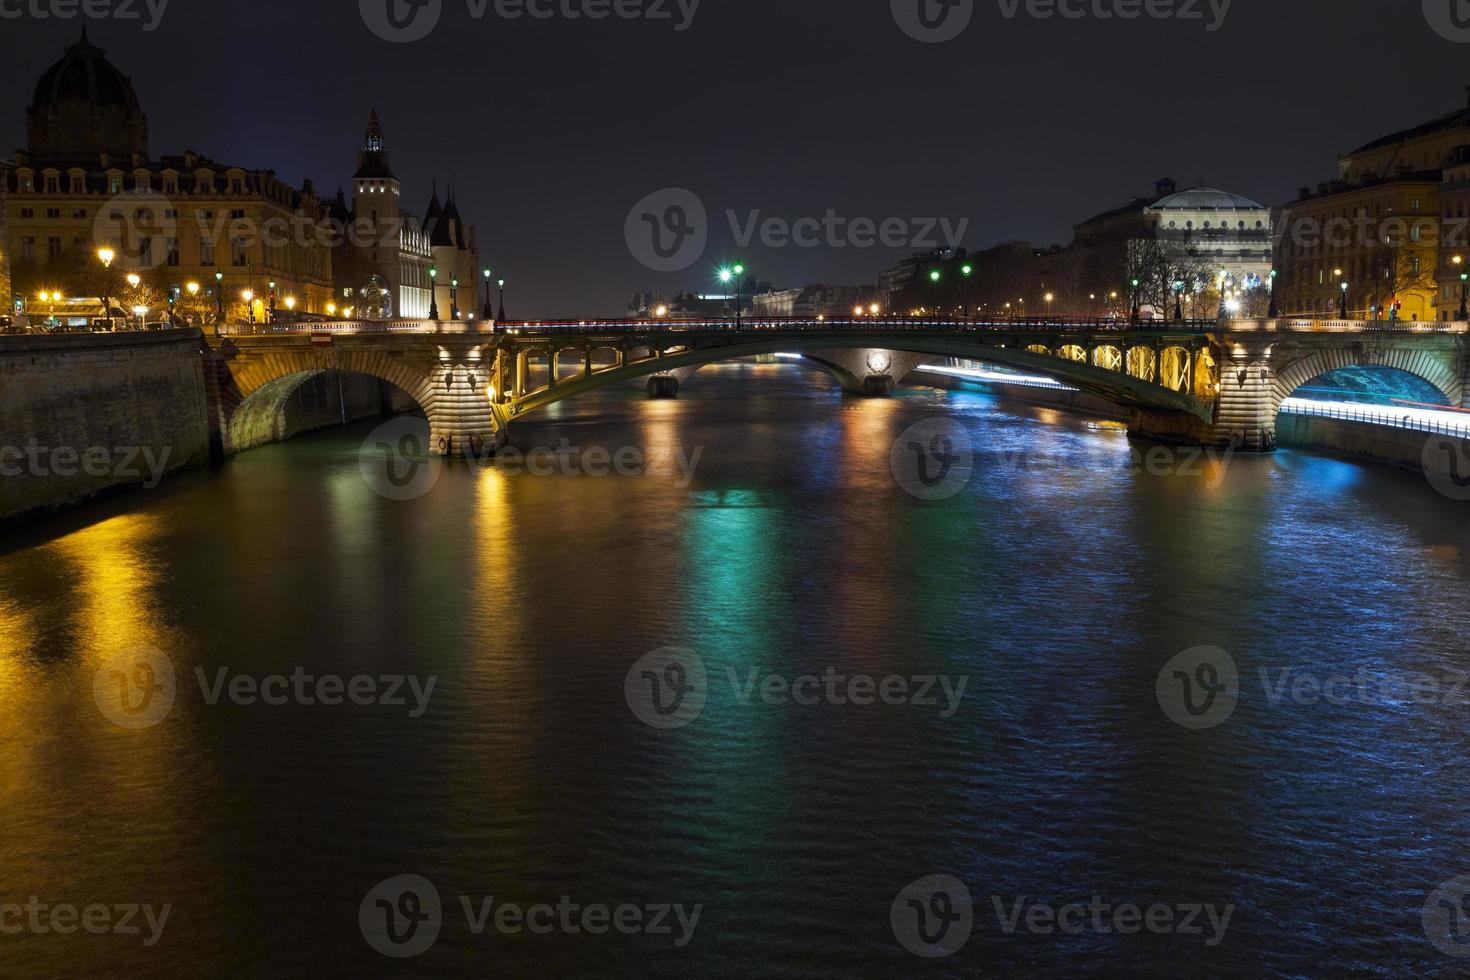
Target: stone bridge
1203,382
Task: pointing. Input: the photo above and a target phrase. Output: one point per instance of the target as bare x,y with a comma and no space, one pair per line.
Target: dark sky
552,130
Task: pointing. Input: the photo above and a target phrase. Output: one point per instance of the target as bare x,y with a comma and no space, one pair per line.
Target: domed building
86,181
1225,230
84,109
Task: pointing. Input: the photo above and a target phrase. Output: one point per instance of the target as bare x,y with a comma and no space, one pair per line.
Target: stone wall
86,413
1410,449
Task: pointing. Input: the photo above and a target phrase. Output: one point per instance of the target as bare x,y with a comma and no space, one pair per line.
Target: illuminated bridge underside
1192,383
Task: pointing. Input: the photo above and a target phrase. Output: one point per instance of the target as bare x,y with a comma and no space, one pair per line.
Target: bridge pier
663,386
869,372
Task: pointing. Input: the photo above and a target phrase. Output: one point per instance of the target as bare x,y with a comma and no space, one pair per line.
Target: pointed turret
372,159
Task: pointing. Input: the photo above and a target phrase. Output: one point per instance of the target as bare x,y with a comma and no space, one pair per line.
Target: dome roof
1206,199
84,73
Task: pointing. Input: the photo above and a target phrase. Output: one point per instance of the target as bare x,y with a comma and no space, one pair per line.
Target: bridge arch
252,385
1435,371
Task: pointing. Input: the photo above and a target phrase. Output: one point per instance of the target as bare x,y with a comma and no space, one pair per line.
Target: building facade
1390,227
89,211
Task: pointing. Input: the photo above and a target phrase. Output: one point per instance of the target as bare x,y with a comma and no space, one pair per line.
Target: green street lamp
1344,308
1274,311
967,271
935,278
434,294
1137,306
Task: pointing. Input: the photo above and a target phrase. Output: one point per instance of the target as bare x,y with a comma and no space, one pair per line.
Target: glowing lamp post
454,297
967,271
1343,309
937,279
433,294
248,295
489,306
1274,311
105,256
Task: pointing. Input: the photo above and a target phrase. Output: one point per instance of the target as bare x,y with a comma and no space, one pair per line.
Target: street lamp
502,301
936,278
454,297
1178,300
1274,311
219,300
272,317
967,270
1137,308
248,295
291,303
105,256
489,306
141,312
1344,308
1464,314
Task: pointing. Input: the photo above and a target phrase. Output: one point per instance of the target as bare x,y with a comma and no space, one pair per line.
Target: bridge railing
352,327
1301,325
1373,415
853,325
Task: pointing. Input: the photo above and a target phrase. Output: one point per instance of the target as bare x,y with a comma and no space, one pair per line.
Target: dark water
1057,584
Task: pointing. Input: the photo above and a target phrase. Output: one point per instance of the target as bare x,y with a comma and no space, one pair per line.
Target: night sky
552,130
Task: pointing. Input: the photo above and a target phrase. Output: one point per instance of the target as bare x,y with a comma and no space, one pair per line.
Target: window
1414,206
206,252
145,251
79,213
238,214
53,184
114,185
27,212
237,252
53,249
173,252
53,212
28,249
